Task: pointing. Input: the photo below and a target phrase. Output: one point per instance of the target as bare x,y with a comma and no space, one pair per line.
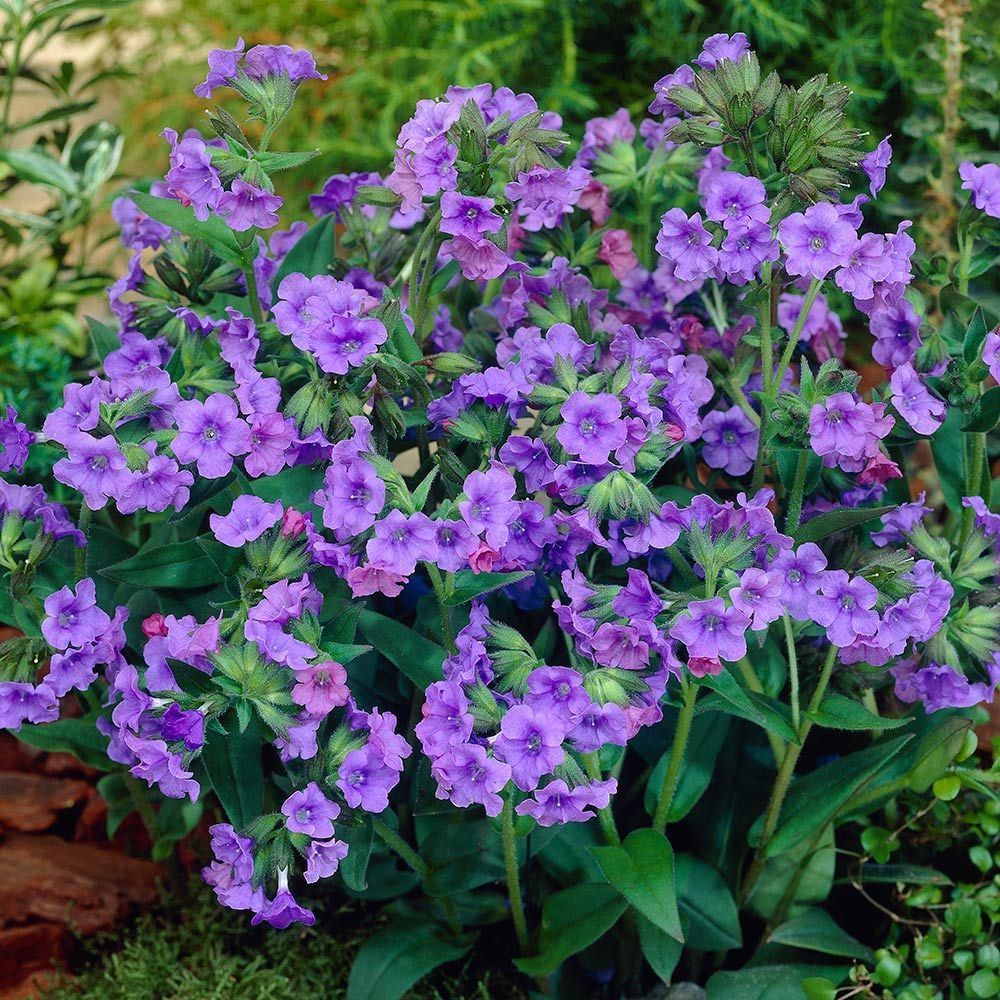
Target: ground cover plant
517,521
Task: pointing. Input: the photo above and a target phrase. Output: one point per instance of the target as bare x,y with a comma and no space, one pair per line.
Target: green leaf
354,868
391,961
375,194
422,492
805,872
987,413
642,870
937,751
38,167
708,733
731,698
659,949
176,564
975,337
418,658
104,338
837,520
274,161
571,920
313,252
469,585
837,711
175,819
78,737
814,800
461,856
815,930
344,652
213,231
294,487
948,449
763,982
116,794
788,458
233,762
708,911
909,874
440,280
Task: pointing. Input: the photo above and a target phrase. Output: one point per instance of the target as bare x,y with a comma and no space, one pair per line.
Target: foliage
476,533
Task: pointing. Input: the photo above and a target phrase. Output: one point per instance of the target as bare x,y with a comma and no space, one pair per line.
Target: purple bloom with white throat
913,401
464,215
310,812
592,427
710,630
530,741
401,542
844,607
984,183
211,434
247,207
74,619
730,441
489,507
734,199
687,244
816,241
247,520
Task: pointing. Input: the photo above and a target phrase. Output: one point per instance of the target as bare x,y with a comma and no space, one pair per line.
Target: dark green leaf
418,658
642,870
313,252
708,911
839,712
910,874
764,982
391,961
708,733
816,798
440,280
804,874
177,564
375,194
948,449
78,737
461,856
469,585
837,520
787,459
293,487
659,949
987,414
975,337
213,231
344,652
937,751
571,920
104,338
354,868
731,698
175,819
815,930
272,162
116,794
233,762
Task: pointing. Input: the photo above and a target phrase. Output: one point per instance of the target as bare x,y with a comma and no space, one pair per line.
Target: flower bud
451,364
310,406
688,100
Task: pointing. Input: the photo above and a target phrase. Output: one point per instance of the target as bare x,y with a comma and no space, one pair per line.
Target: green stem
395,843
253,295
81,553
784,779
680,562
972,482
965,245
798,488
440,592
793,669
752,681
672,776
513,875
786,358
143,806
421,272
605,816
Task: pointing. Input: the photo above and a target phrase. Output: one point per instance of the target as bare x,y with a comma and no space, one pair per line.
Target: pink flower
616,252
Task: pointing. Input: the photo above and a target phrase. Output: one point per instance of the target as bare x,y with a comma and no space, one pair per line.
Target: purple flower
231,872
227,66
159,766
898,522
210,434
352,499
875,164
730,441
366,781
489,508
467,776
283,911
192,179
844,428
323,858
816,241
530,457
247,207
718,47
401,542
984,183
843,607
559,690
480,259
746,246
896,329
543,195
464,215
163,484
321,688
914,403
991,353
709,629
14,441
247,520
455,543
591,426
74,619
758,597
530,741
735,199
310,812
683,76
942,686
801,573
94,466
22,702
687,244
558,803
347,342
867,263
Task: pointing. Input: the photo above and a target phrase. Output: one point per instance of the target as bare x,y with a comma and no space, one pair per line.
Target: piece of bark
32,802
28,949
85,887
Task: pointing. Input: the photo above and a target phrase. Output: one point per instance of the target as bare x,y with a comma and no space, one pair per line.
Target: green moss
190,948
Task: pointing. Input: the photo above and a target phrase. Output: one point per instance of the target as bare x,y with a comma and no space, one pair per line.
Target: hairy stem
798,488
81,553
513,875
441,593
752,682
672,776
605,816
